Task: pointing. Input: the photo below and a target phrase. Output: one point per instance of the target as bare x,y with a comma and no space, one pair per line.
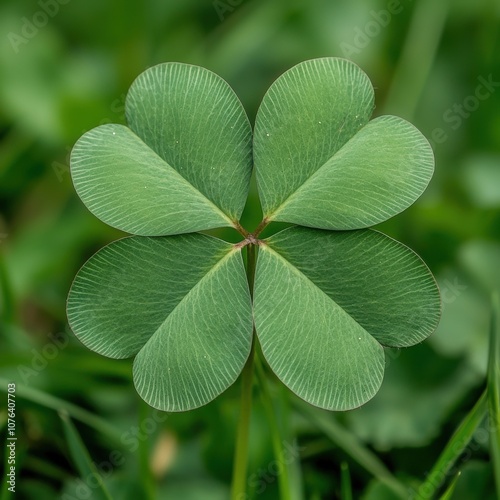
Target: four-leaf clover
329,294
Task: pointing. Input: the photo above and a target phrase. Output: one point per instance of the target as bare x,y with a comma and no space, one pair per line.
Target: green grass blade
57,404
406,88
451,488
345,482
46,469
351,445
452,451
494,390
81,458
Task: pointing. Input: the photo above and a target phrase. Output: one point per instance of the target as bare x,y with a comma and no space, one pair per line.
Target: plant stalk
264,223
240,229
283,476
251,263
148,480
238,488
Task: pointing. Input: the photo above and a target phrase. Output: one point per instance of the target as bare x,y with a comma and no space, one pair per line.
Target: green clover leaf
184,164
181,305
327,302
329,295
321,163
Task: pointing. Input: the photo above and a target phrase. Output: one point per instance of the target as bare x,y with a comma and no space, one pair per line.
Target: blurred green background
65,67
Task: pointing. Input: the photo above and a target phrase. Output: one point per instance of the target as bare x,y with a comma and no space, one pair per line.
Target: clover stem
238,488
143,452
240,229
267,402
263,224
251,263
